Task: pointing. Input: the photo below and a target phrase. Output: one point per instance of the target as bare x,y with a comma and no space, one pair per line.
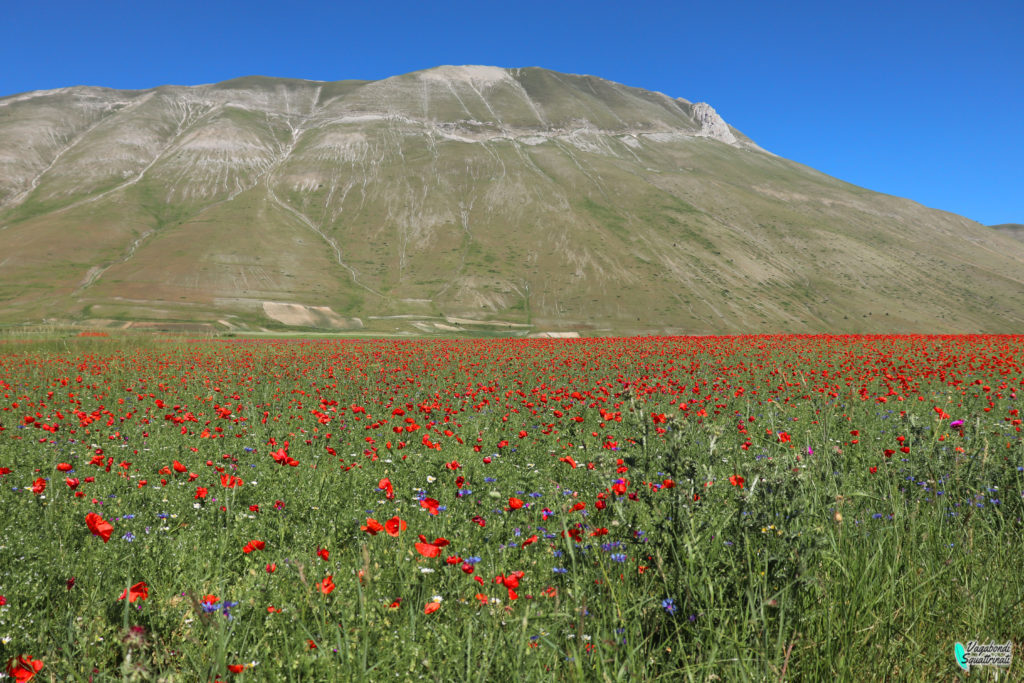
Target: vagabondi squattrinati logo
983,654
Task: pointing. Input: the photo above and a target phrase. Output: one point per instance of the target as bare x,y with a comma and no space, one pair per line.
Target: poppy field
683,508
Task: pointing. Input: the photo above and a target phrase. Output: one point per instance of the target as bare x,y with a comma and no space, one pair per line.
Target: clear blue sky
918,99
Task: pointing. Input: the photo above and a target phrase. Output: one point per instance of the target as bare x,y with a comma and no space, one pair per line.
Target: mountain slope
1014,230
521,200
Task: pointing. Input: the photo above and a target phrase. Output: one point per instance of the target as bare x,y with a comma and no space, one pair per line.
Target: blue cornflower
559,570
129,537
669,605
490,480
618,557
472,560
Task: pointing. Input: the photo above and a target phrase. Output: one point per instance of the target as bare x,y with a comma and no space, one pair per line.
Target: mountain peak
467,73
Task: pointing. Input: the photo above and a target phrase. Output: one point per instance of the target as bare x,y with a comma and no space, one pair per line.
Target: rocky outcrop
711,124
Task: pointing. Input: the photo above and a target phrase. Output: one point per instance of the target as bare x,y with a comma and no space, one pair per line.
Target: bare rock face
711,124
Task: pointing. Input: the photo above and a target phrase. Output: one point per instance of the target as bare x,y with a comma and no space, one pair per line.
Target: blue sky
917,99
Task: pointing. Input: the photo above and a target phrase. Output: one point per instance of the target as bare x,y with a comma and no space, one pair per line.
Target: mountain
460,198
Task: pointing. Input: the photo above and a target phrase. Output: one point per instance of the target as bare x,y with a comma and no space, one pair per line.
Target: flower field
751,508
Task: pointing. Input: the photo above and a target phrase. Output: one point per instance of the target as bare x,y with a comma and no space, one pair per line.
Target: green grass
816,568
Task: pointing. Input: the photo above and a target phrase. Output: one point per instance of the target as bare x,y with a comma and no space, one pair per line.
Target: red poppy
510,581
179,468
236,668
254,545
200,492
230,481
385,486
515,503
431,607
72,482
373,527
323,553
430,549
430,504
396,603
327,585
427,549
38,486
99,526
139,591
23,668
271,567
736,480
64,467
395,526
480,521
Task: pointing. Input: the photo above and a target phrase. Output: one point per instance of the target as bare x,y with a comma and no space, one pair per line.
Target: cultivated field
704,508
